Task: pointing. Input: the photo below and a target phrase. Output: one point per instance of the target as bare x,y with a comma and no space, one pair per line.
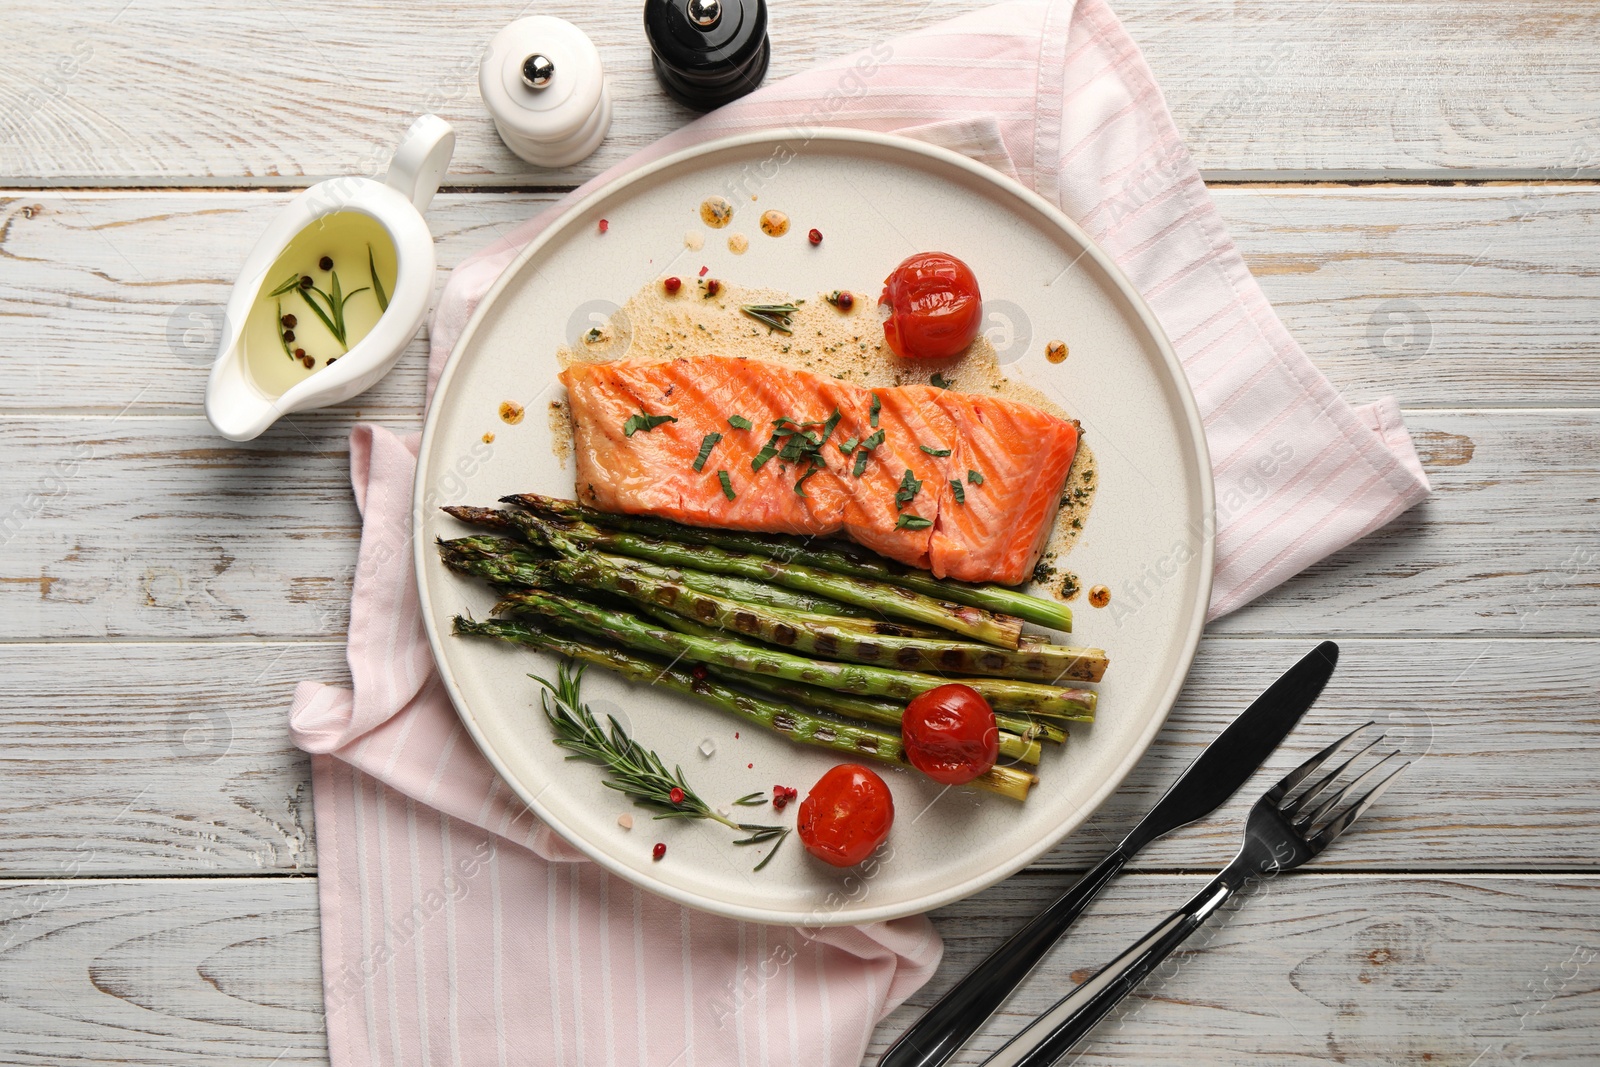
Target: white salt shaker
545,88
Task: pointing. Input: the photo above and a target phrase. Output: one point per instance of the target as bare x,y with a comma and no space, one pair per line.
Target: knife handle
1052,1035
946,1026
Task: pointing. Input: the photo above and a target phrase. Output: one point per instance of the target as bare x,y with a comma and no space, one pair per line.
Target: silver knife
1214,776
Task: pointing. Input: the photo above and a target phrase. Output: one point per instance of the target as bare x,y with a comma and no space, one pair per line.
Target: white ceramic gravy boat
237,407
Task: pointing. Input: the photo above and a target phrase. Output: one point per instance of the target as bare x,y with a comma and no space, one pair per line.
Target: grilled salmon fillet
990,529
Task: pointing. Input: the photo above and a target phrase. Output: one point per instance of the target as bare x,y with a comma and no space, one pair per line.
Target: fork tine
1332,776
1310,766
1339,825
1333,801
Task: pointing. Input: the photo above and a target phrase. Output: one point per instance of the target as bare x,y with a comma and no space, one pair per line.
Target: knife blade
1214,776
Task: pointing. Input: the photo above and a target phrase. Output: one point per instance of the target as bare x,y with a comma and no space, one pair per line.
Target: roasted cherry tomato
935,308
846,815
950,734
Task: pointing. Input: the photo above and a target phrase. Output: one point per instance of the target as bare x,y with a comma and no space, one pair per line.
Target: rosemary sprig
305,294
278,325
635,771
779,317
377,286
333,316
292,283
337,299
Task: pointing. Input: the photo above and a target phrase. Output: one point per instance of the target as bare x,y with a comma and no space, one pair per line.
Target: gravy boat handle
419,163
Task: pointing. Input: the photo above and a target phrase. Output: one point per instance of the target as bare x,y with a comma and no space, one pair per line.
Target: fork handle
946,1026
1051,1035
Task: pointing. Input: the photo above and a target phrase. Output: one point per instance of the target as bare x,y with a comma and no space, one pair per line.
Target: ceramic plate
877,199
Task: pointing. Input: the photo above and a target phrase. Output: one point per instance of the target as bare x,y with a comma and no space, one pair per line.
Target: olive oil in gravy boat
260,373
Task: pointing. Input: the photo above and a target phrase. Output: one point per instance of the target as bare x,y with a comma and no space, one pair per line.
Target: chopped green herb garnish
796,447
707,443
727,484
939,381
779,317
867,444
909,487
974,478
816,465
877,406
800,445
934,451
642,421
849,446
739,422
912,522
959,493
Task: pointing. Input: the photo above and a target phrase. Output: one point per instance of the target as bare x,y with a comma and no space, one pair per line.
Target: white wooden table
1413,181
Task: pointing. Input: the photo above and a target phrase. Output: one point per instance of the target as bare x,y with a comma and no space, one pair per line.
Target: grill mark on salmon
997,534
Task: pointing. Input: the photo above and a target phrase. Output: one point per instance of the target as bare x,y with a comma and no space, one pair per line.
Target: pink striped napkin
457,929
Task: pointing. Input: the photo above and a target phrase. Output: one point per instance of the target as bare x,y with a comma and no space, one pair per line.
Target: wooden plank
168,759
118,300
161,972
1492,783
1442,297
157,759
107,92
1313,969
1506,544
1458,297
1309,968
154,527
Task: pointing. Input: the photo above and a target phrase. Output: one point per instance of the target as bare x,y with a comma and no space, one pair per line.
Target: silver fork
1284,830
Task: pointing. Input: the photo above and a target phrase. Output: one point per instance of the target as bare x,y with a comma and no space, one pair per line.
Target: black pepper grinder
708,52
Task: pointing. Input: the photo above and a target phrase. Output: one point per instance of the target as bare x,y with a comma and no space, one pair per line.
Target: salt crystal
708,748
625,821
